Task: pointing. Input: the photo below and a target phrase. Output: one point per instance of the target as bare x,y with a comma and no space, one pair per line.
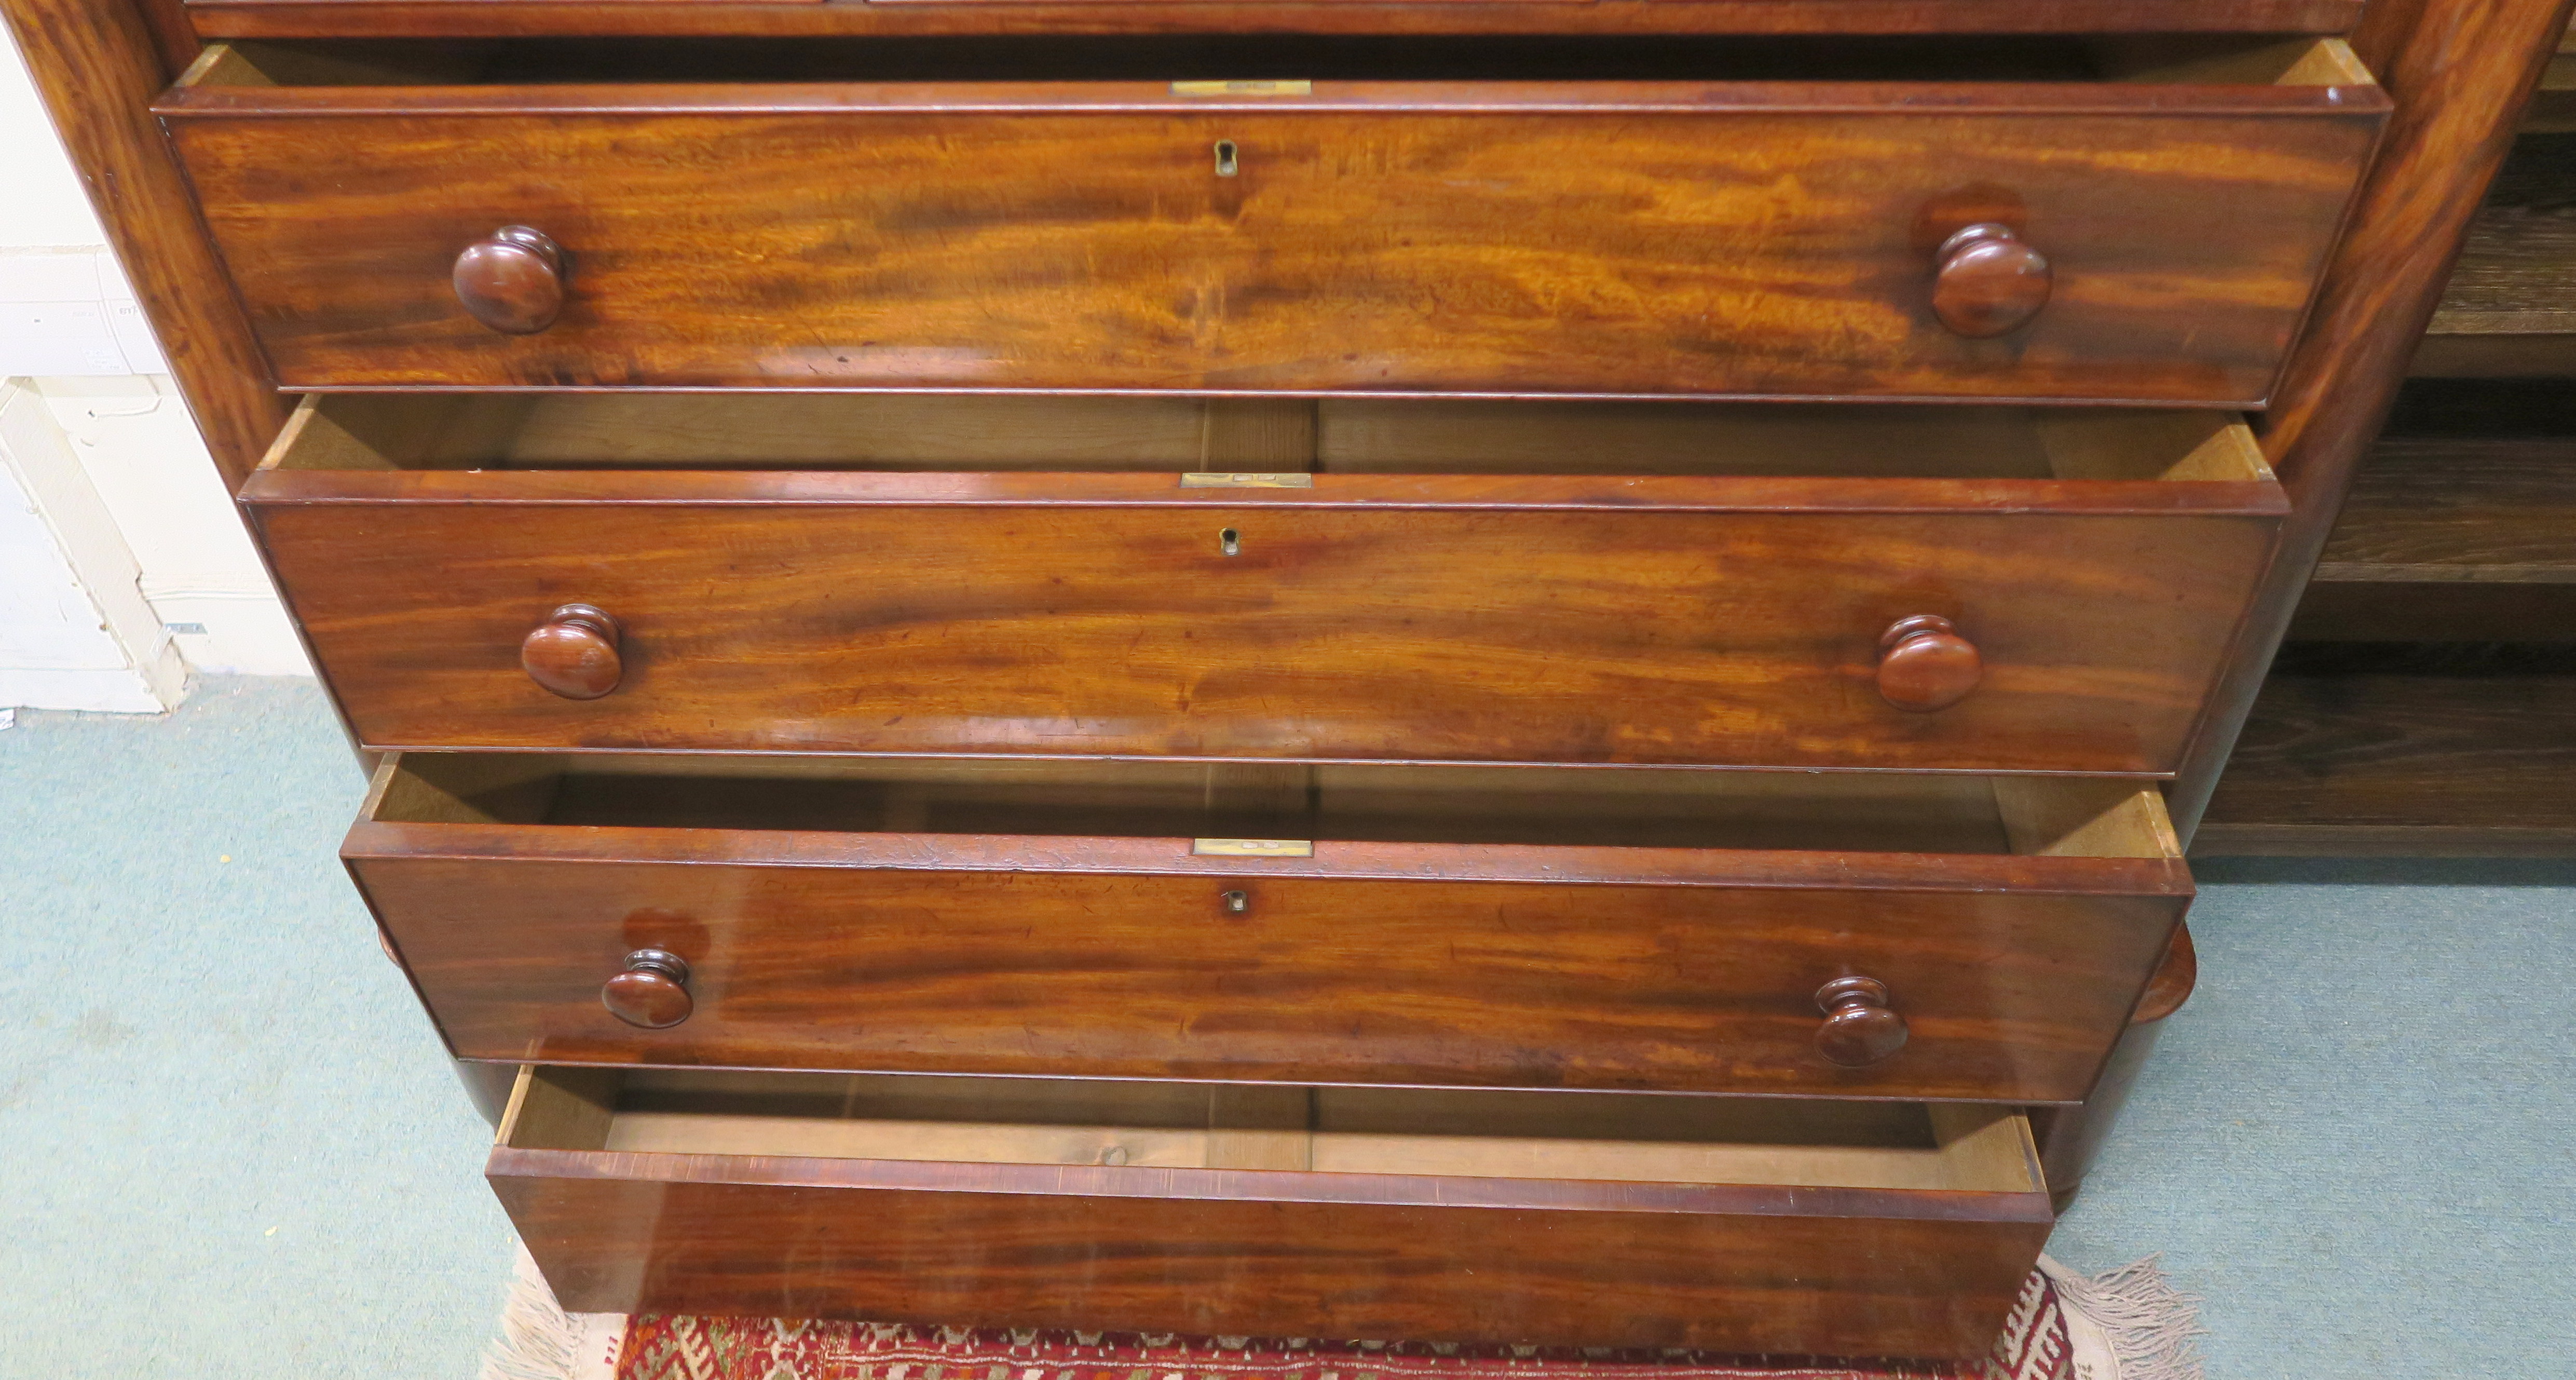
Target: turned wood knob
574,653
512,282
1859,1028
1988,281
1923,664
653,992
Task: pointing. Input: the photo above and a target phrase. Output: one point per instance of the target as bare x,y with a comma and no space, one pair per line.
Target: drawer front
611,1239
1536,967
1600,238
1340,631
1756,1267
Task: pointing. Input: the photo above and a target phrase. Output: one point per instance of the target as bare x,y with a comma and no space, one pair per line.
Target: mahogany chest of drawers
1476,671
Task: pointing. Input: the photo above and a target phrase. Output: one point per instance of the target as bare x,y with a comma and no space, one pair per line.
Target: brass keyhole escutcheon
1230,542
1236,902
1225,158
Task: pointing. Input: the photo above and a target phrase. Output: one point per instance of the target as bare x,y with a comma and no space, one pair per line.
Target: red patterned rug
2128,1324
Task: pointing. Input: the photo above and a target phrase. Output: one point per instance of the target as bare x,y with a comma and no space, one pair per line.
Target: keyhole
1236,903
1230,542
1225,158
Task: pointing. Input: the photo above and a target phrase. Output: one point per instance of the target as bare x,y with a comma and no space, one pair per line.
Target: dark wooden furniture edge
98,65
2224,840
1273,1186
1443,862
2352,104
498,18
2459,74
1146,489
173,32
2070,1138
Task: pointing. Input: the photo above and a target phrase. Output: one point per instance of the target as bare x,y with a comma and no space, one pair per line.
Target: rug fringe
2148,1325
539,1341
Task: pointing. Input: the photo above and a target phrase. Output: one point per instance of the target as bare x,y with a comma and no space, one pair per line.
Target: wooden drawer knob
653,992
1859,1027
574,653
1988,281
1923,664
512,282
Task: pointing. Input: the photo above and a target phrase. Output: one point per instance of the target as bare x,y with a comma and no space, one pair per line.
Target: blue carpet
233,1148
2358,1141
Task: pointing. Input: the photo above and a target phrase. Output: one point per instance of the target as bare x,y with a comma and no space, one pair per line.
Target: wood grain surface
2071,1138
1730,1268
2553,104
1721,621
174,32
947,954
1599,238
2386,751
2551,355
431,18
2460,526
97,64
2452,509
2435,611
2459,73
2516,275
2173,983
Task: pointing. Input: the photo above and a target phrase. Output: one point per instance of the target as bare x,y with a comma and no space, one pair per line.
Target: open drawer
1561,219
1873,935
1743,1225
1983,589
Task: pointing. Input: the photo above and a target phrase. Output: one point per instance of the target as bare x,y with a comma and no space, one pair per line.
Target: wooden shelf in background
2441,508
2452,539
2517,274
2553,106
2404,751
2510,309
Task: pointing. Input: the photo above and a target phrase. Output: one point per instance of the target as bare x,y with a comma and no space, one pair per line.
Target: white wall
199,571
71,333
75,630
45,204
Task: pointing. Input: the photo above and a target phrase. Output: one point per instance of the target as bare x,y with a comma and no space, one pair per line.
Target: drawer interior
2202,59
875,431
1526,806
1383,1131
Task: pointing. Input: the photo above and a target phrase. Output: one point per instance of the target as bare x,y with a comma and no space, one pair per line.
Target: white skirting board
137,443
133,439
75,629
